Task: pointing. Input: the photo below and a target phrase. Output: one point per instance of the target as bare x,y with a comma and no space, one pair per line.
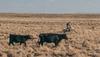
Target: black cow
51,38
18,39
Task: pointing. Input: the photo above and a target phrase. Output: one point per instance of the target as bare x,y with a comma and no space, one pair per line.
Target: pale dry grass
84,40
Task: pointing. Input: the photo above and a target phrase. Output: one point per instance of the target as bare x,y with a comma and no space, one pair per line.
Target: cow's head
64,36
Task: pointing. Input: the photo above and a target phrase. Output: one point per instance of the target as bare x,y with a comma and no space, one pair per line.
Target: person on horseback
67,27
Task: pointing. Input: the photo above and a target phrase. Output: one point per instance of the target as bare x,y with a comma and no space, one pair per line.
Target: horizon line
44,13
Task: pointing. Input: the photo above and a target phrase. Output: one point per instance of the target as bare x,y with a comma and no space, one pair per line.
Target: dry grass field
83,40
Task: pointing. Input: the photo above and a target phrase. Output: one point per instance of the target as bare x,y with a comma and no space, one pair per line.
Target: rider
67,27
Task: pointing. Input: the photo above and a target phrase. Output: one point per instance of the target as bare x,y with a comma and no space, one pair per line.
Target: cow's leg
38,42
56,43
11,43
25,43
20,43
41,43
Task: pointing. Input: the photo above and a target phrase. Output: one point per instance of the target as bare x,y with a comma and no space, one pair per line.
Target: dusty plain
83,40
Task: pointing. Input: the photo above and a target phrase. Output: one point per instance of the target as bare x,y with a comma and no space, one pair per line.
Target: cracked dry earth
83,40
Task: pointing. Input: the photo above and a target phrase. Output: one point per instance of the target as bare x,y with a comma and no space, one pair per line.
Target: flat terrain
83,40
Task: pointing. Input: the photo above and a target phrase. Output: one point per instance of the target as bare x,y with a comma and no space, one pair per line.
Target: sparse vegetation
83,40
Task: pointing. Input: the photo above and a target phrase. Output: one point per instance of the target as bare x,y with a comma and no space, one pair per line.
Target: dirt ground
83,40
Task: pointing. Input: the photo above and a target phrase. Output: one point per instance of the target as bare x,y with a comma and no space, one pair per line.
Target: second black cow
51,38
13,38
